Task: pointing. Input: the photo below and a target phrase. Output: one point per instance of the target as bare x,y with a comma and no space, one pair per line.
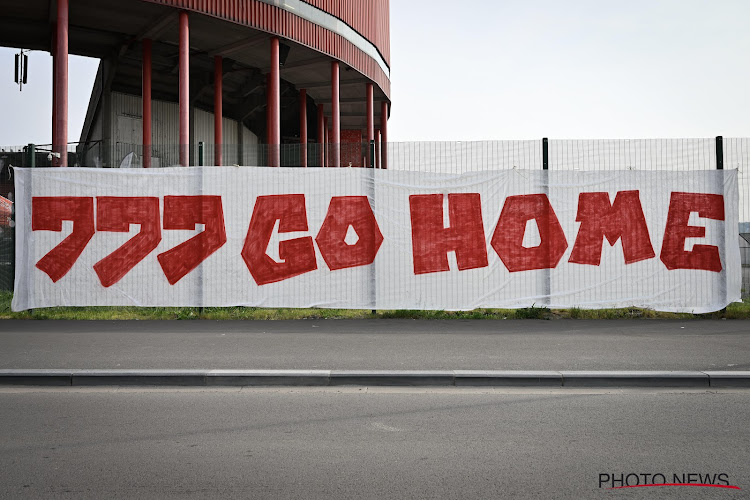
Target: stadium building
217,82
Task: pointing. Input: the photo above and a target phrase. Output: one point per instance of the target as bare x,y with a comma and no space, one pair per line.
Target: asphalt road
378,345
328,444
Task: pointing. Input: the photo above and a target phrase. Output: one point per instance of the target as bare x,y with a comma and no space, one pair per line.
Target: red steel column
303,127
184,90
268,113
326,146
54,90
60,139
321,135
377,148
335,115
384,133
146,98
218,112
370,123
274,136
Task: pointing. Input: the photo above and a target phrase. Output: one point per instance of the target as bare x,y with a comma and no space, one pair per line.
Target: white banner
376,239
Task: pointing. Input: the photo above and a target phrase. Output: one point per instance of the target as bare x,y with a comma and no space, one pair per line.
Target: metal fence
446,157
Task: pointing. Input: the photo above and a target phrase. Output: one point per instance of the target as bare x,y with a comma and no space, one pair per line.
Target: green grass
734,311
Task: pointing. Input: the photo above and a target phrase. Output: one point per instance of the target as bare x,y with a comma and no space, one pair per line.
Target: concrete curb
694,379
413,378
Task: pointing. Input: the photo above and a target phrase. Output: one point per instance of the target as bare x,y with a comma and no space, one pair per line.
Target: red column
54,89
335,115
377,148
274,135
384,134
370,123
303,127
60,127
321,135
268,112
218,112
184,90
146,98
326,140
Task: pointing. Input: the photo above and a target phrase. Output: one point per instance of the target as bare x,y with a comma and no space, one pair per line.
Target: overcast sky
515,69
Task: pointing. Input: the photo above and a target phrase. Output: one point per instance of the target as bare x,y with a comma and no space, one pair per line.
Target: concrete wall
127,132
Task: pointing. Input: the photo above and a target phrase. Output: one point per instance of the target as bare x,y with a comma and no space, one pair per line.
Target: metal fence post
722,256
373,273
13,247
32,155
545,168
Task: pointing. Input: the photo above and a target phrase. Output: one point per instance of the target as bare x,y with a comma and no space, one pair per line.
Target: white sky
515,69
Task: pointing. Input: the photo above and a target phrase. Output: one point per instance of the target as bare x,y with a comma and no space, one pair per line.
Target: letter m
621,220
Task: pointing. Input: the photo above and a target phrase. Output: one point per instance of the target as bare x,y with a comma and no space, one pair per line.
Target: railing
446,157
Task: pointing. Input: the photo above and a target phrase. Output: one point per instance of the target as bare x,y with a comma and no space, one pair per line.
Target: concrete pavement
371,443
627,353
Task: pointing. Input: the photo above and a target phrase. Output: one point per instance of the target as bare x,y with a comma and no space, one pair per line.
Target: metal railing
445,157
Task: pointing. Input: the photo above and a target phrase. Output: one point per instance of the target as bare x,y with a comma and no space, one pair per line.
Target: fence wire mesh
442,157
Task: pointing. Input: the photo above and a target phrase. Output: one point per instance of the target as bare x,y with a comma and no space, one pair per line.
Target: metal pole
321,135
545,168
384,135
32,155
377,148
184,90
274,123
200,153
335,115
13,246
53,53
370,125
722,255
146,103
303,127
60,142
218,111
326,142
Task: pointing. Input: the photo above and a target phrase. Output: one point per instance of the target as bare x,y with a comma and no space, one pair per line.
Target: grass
733,311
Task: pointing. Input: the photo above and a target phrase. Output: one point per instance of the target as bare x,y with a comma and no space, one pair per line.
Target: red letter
703,257
622,219
116,214
47,214
431,240
184,212
507,239
298,255
343,212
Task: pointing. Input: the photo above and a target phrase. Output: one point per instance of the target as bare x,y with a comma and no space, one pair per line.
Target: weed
738,310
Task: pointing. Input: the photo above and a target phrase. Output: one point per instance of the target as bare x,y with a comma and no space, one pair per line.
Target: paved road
327,444
378,344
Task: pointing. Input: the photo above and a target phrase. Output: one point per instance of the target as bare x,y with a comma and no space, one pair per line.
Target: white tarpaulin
376,239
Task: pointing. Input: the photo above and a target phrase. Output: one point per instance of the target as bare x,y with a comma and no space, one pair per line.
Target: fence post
545,168
13,246
32,155
373,272
200,153
722,256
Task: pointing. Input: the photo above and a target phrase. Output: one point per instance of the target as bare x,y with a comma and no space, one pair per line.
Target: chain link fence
444,157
